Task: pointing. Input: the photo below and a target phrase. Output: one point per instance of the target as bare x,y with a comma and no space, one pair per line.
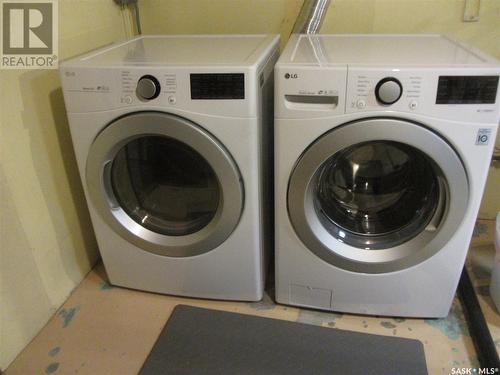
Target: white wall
47,243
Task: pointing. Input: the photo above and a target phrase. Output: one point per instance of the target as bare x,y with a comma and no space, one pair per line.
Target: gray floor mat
201,341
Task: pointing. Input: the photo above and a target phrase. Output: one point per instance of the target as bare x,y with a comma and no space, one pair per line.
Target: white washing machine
382,147
171,135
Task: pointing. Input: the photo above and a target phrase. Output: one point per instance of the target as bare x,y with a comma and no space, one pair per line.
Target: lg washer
383,145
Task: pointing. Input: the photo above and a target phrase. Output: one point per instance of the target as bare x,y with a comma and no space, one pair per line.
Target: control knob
388,90
148,88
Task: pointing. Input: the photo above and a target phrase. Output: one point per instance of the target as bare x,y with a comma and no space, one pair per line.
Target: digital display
217,86
467,90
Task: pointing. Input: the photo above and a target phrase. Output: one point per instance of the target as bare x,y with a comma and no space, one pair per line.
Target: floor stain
453,325
318,318
105,285
68,315
399,320
479,228
387,325
474,362
266,303
52,368
54,351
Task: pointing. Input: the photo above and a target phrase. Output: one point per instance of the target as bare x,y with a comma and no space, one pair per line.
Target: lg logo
293,75
29,33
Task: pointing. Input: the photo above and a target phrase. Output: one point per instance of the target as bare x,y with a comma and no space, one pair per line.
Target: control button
148,88
127,99
360,103
388,90
172,99
413,104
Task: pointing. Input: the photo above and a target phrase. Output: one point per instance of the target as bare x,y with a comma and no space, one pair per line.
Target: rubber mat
199,341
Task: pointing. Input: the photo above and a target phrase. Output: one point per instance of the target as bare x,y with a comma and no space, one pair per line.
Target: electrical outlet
471,10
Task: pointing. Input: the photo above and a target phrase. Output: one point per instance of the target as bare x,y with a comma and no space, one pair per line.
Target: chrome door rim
317,239
125,129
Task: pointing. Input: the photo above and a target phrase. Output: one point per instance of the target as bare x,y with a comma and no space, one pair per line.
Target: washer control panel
456,94
378,90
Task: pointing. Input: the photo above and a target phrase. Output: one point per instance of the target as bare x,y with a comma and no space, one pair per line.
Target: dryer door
164,184
377,195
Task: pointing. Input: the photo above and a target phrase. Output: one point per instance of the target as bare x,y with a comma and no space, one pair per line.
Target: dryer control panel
217,91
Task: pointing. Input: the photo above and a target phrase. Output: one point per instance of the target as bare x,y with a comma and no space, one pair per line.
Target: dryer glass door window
376,194
165,185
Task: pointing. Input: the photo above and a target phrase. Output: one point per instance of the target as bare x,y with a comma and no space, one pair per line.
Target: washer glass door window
377,195
164,184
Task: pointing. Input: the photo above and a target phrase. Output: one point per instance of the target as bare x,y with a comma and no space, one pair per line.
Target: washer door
377,195
164,184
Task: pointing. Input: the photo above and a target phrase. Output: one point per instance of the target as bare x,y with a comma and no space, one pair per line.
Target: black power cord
483,342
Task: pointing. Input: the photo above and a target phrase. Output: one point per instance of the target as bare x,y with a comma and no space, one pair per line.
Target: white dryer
382,145
171,135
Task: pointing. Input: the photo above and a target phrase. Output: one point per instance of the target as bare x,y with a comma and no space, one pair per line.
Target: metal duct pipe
311,16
